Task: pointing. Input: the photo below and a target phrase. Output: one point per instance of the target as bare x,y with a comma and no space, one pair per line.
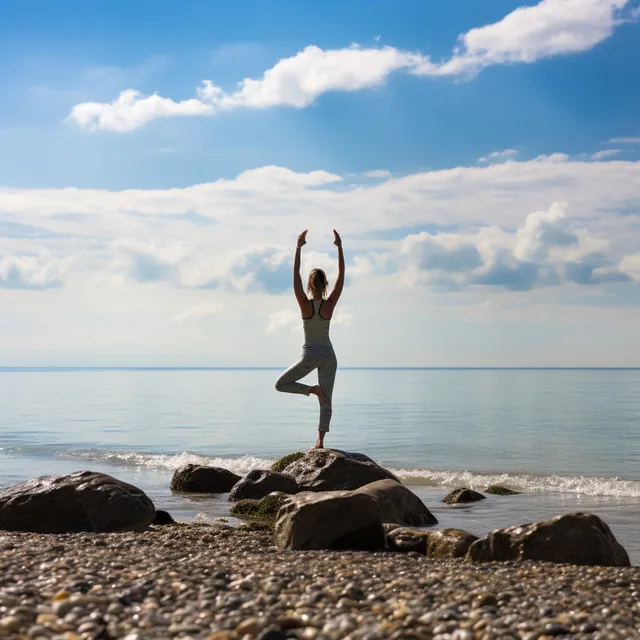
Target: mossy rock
499,490
264,510
283,463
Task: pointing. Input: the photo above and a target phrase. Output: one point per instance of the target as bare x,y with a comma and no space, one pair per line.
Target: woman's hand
302,238
337,240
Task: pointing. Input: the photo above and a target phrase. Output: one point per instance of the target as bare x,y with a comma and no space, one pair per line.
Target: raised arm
337,289
301,297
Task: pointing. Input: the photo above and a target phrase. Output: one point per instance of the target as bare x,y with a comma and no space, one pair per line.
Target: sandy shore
199,581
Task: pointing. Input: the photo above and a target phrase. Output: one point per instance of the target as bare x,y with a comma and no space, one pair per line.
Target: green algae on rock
284,462
264,509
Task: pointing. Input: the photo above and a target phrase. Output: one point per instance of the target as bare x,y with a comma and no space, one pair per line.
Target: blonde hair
317,283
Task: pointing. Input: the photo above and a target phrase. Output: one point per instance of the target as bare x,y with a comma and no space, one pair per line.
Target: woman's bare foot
316,390
319,442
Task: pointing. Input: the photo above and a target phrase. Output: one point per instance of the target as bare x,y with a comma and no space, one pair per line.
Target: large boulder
260,483
461,496
196,478
81,501
333,470
575,538
398,504
449,543
330,520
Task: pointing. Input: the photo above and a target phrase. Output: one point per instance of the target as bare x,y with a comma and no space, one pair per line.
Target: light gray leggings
324,360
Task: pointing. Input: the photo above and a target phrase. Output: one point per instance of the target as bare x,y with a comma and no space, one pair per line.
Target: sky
480,159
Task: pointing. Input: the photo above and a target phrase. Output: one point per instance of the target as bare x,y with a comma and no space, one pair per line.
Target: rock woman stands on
317,352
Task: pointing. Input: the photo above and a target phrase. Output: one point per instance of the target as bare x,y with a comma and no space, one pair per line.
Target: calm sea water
569,439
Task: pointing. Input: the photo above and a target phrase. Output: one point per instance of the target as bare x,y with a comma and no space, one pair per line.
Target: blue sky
482,160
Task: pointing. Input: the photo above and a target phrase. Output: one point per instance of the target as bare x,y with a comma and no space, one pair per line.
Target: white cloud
624,140
605,153
131,109
499,156
527,34
299,80
147,262
112,229
33,272
378,174
546,251
552,27
198,313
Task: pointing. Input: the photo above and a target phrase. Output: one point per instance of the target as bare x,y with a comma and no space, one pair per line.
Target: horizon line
36,368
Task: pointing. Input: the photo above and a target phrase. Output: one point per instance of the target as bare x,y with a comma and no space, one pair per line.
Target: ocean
569,439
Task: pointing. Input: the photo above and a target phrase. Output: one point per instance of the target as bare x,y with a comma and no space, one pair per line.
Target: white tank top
316,328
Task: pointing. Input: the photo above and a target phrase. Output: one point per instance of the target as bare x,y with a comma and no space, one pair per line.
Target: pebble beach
228,583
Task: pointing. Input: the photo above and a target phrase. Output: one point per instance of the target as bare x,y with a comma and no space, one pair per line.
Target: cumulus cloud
552,27
605,153
33,272
299,80
499,156
147,262
198,313
546,251
131,109
260,268
527,34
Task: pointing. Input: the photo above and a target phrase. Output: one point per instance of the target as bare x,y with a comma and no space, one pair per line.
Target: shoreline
221,582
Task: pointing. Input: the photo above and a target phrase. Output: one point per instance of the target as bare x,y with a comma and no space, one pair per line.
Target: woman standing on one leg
317,352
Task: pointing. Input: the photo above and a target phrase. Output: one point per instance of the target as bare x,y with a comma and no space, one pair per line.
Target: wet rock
449,543
196,478
461,496
259,483
265,509
81,501
577,538
332,470
499,490
405,539
330,520
398,504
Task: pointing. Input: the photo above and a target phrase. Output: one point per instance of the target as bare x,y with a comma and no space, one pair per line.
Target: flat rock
261,482
333,470
398,504
75,502
330,520
575,538
196,478
463,495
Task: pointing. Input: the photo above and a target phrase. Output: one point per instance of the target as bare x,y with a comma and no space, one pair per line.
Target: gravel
224,583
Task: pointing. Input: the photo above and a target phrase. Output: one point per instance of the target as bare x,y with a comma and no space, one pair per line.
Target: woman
317,352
